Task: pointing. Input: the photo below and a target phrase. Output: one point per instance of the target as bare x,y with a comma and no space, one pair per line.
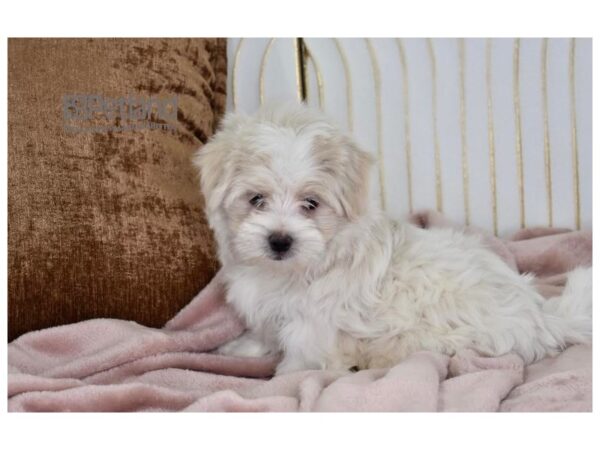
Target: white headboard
493,132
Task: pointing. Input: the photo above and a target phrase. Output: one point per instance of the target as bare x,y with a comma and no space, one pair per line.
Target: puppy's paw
246,345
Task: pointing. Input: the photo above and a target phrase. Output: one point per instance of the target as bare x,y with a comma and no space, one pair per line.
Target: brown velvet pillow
108,222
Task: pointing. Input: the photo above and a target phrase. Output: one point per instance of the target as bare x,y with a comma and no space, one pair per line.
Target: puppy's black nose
280,243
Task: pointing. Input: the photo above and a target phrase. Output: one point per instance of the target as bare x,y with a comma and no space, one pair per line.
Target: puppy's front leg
248,344
305,346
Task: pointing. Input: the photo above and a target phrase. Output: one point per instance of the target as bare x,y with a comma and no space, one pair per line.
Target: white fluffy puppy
325,278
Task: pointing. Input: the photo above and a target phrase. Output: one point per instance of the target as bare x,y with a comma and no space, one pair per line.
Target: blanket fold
115,365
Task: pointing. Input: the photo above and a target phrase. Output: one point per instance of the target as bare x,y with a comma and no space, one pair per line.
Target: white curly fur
356,288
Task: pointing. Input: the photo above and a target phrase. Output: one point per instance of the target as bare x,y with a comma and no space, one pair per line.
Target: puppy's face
278,189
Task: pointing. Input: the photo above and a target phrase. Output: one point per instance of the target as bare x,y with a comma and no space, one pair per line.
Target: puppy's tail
569,316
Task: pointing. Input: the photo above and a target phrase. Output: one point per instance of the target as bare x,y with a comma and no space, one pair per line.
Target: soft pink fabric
114,365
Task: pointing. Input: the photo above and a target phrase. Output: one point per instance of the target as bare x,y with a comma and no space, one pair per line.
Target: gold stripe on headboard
574,146
491,138
378,112
547,154
234,74
518,131
439,201
310,59
406,106
300,89
261,76
348,76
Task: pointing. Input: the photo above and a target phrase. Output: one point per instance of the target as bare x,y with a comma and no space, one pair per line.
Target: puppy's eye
257,200
310,204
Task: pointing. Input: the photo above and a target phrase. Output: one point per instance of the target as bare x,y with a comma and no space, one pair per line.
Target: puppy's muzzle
280,244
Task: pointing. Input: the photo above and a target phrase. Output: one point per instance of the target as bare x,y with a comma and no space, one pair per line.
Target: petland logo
97,113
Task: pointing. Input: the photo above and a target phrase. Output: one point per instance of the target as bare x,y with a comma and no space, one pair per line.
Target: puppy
324,277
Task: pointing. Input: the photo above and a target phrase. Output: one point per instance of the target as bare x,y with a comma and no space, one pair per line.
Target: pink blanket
114,365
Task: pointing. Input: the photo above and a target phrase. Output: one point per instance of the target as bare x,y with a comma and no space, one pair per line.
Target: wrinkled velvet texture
107,224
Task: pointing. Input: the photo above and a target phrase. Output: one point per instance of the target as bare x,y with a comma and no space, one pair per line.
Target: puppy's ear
355,180
348,168
210,161
214,163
